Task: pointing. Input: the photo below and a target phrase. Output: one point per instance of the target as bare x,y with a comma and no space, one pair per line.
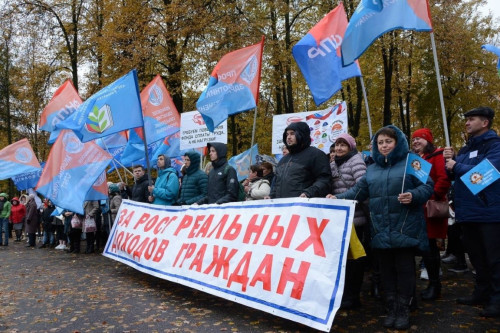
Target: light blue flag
115,108
418,167
494,50
57,211
28,180
481,176
369,22
243,161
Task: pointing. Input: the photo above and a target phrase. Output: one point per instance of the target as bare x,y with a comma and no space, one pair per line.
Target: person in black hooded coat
305,171
223,183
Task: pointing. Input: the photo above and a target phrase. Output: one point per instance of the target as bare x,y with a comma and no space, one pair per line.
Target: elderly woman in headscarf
166,188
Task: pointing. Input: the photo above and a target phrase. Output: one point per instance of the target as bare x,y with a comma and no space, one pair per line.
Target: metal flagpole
367,108
438,76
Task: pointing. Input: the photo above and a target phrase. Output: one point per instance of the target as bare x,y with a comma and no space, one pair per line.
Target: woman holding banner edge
398,224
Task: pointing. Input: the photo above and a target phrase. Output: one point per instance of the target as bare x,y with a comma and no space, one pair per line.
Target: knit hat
349,139
423,133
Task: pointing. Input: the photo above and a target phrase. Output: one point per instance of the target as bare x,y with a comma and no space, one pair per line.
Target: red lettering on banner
133,243
219,227
314,238
166,222
185,222
124,243
263,273
198,259
161,250
290,231
196,225
254,228
116,241
241,278
150,224
140,249
189,248
220,262
150,249
142,220
234,229
298,279
274,230
125,220
205,227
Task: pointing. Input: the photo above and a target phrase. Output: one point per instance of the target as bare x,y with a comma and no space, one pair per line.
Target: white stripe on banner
286,256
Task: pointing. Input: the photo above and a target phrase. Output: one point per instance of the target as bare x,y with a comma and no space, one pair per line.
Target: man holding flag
478,214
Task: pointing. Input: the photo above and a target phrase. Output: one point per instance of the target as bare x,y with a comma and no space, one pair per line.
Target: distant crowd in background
397,218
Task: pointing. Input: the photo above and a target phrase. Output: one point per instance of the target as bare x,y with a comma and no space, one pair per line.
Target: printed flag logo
481,176
99,120
233,86
18,158
318,56
418,167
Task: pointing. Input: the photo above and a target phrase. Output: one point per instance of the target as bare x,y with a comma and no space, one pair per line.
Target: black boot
402,321
432,292
391,308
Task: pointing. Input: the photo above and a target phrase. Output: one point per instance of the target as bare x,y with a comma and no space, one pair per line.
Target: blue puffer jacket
166,187
485,206
394,225
194,182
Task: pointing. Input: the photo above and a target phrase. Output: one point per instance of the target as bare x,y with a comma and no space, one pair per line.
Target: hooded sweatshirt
6,205
305,169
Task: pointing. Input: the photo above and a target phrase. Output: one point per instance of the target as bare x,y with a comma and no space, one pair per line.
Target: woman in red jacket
436,227
17,213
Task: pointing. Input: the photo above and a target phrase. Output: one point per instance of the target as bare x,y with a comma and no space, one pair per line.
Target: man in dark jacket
478,214
223,183
305,171
140,190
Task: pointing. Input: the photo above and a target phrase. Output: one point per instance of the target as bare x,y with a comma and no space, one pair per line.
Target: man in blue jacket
479,215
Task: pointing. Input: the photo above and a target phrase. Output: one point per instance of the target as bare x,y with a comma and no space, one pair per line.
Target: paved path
46,290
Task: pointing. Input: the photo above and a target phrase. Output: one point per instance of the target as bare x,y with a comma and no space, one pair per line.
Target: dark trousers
397,271
32,239
482,243
455,245
432,260
75,236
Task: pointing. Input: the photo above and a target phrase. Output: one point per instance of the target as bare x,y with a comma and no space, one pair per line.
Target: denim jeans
4,230
48,236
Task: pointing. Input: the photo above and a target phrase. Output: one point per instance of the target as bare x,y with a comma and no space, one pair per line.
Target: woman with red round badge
422,144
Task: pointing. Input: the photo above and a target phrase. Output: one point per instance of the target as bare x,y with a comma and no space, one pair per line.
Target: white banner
326,125
283,256
195,134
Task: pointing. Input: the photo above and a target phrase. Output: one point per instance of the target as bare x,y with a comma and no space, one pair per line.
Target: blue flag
494,50
369,22
115,108
28,180
70,171
18,158
318,56
242,162
418,167
233,86
481,176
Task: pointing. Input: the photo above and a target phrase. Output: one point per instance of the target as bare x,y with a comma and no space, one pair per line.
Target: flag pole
404,175
367,108
441,100
113,160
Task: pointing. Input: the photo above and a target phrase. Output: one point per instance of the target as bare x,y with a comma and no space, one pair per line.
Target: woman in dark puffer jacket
397,216
194,182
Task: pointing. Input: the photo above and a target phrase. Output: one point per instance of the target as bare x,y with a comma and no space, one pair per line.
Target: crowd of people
394,217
